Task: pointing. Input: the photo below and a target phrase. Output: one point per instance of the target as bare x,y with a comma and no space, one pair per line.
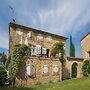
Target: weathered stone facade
14,38
38,62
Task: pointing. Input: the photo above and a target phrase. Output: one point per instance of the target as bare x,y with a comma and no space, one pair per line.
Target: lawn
73,84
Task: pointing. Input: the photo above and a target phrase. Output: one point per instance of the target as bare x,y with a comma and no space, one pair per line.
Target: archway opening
74,70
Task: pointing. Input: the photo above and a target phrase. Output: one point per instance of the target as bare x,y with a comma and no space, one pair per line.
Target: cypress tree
72,48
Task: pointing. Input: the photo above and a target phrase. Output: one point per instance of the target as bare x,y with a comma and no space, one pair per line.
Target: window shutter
44,51
26,41
38,49
30,69
32,50
30,34
45,69
21,40
55,68
86,54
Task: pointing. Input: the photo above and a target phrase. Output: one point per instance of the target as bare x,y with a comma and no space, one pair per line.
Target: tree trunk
13,81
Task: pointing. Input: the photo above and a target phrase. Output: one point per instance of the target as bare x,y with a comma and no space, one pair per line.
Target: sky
62,17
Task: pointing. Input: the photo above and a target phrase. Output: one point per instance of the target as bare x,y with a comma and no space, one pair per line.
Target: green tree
72,48
3,76
3,57
59,49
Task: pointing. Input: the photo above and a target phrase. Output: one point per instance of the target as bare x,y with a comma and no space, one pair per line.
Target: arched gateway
74,67
74,70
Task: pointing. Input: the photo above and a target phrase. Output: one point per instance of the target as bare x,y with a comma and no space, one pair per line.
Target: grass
73,84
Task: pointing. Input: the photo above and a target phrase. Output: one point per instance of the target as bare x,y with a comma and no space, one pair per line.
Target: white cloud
66,17
62,17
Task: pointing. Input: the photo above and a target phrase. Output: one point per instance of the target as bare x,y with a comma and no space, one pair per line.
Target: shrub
86,67
3,76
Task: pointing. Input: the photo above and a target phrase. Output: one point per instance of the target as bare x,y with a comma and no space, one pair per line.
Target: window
30,34
38,50
55,69
19,31
40,37
44,51
30,69
21,40
45,70
32,50
26,41
49,39
89,54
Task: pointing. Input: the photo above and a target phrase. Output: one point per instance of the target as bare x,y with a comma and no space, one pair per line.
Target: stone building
85,41
43,69
39,67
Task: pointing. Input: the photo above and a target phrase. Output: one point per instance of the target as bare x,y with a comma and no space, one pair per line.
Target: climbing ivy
18,54
59,48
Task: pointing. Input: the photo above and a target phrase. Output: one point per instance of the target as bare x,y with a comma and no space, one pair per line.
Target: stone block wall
85,46
39,76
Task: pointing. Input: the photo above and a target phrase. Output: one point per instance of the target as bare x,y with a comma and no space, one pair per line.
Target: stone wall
69,62
85,45
39,76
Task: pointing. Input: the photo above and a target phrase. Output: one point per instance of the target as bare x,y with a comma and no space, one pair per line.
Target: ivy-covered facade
46,61
40,66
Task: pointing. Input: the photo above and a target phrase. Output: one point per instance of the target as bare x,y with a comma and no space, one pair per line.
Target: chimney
13,20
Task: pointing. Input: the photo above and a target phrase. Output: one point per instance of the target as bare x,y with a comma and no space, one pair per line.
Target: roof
35,30
76,58
85,36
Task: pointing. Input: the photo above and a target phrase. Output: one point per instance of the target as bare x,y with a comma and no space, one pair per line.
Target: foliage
59,48
86,67
74,70
18,54
72,48
3,57
3,76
